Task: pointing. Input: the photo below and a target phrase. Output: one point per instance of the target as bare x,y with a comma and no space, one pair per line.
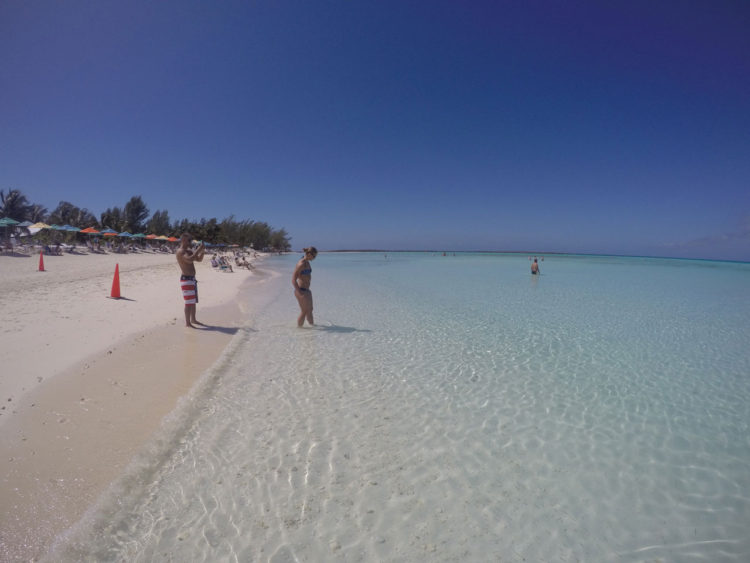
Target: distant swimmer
535,267
301,282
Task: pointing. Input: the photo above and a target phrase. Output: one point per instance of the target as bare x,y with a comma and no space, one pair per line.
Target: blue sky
603,127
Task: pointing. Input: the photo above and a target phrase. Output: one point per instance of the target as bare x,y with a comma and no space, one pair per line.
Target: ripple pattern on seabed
551,423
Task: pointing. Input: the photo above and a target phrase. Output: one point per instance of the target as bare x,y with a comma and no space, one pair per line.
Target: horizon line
540,254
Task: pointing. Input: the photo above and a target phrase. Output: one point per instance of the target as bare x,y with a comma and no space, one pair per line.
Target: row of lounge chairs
10,247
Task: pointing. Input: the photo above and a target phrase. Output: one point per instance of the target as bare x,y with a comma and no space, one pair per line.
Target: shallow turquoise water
455,408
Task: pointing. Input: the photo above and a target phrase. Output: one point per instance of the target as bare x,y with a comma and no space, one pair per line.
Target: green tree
259,234
159,223
14,205
229,231
184,226
68,214
113,218
135,214
208,230
280,241
37,213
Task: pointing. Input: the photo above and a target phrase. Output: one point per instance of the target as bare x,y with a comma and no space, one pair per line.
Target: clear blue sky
605,127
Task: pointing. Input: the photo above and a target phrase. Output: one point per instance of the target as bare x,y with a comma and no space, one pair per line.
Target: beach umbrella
125,234
8,222
139,235
109,233
36,227
90,231
151,237
24,225
173,239
70,228
162,237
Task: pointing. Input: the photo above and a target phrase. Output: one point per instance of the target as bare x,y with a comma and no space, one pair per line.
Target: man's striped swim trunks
189,286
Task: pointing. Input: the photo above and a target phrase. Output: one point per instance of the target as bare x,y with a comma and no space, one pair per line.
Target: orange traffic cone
41,260
116,283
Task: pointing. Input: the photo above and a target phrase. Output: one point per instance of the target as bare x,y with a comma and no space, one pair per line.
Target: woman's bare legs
304,298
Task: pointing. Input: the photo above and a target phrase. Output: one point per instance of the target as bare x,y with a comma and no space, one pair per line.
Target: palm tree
37,213
14,205
67,213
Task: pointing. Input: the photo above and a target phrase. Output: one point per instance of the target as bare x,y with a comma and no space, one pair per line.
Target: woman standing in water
301,282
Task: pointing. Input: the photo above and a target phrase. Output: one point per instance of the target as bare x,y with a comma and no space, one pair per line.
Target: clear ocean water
456,408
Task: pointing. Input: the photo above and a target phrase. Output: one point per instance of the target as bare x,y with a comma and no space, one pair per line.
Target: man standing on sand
186,257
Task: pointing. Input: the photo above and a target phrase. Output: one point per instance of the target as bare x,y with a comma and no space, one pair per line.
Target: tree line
135,217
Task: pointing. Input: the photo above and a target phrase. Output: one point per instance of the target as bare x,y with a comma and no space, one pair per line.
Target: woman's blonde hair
310,250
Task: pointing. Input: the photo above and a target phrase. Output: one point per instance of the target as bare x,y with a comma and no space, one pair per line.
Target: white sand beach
86,379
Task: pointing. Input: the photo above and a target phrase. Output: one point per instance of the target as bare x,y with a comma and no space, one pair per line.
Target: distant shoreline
535,253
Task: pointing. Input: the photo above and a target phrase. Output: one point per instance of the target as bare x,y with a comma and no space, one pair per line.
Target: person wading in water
301,282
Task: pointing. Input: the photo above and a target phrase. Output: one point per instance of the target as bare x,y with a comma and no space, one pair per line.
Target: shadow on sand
231,330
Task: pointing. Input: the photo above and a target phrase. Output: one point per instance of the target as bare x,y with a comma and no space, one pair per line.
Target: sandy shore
86,379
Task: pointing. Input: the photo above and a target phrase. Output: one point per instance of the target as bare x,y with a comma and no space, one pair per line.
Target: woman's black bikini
305,272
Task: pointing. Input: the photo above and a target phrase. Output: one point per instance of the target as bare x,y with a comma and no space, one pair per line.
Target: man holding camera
186,258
